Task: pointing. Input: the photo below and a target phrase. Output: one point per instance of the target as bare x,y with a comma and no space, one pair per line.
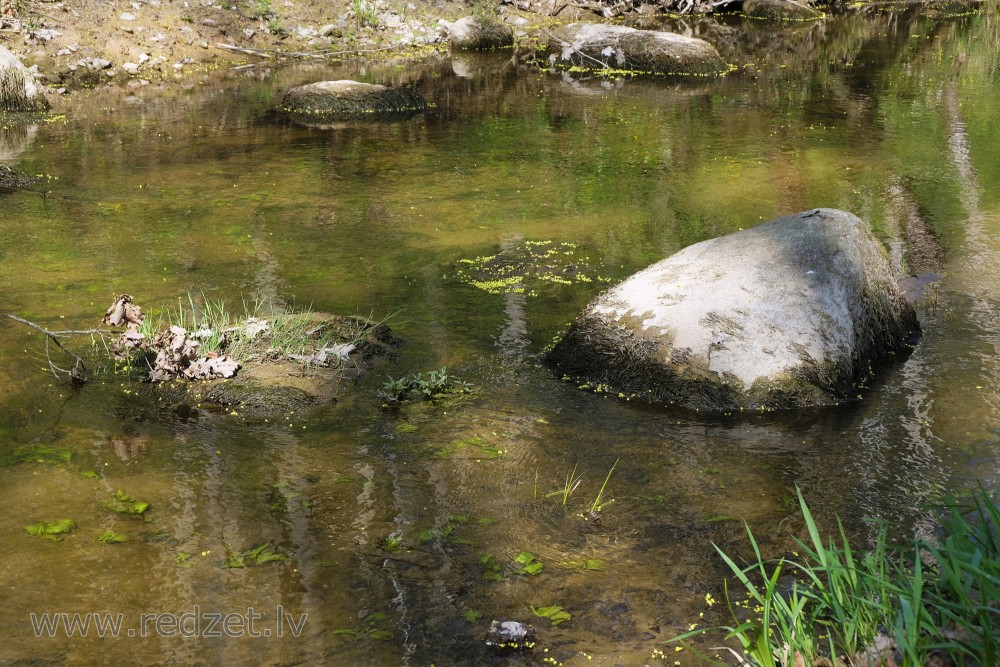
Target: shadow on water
405,530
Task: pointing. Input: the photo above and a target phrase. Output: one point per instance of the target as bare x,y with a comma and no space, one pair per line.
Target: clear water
161,192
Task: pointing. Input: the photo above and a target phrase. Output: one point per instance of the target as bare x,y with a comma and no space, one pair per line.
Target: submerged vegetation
122,503
527,266
914,604
51,530
428,385
255,556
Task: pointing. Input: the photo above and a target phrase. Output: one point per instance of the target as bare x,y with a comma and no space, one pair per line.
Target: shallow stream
388,517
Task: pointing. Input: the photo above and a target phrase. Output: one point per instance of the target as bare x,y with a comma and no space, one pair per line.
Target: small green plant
392,543
33,454
368,628
599,502
492,571
365,12
122,503
529,564
111,537
572,482
928,598
554,613
259,9
256,556
51,530
429,385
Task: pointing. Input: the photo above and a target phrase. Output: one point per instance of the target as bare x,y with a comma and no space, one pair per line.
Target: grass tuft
925,601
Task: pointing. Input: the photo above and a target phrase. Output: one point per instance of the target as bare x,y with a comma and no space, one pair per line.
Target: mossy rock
793,313
598,47
11,180
780,10
479,34
18,90
345,99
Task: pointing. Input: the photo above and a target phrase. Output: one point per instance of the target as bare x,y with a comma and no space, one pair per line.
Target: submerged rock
331,100
791,313
11,180
780,10
510,636
595,46
18,90
478,34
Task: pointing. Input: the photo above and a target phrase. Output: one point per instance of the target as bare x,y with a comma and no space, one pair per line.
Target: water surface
164,191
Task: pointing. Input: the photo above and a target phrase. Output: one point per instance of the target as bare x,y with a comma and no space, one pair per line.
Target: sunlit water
163,192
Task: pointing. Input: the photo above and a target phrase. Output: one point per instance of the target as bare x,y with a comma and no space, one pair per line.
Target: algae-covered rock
11,180
18,90
470,33
594,46
791,313
344,99
780,10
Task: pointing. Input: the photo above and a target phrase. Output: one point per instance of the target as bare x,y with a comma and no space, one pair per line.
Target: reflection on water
404,528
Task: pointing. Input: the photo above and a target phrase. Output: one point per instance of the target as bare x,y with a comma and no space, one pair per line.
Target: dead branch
75,374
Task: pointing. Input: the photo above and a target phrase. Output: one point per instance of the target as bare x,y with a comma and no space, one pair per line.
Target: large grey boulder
595,46
780,10
330,100
470,33
791,313
18,90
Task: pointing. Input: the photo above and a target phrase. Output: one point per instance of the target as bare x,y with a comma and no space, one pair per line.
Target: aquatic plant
554,613
572,482
529,564
525,267
35,454
256,556
392,543
122,503
51,530
111,537
924,600
368,628
429,385
599,503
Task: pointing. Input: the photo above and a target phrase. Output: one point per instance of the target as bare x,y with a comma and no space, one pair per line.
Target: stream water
389,517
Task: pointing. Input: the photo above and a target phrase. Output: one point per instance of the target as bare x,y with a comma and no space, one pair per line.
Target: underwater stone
788,314
510,636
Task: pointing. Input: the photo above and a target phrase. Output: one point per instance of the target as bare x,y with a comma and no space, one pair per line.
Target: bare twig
55,334
75,373
576,50
263,53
